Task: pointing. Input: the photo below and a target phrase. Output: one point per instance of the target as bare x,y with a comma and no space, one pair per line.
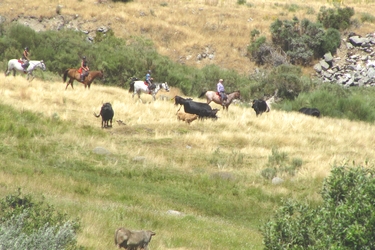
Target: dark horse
74,75
215,97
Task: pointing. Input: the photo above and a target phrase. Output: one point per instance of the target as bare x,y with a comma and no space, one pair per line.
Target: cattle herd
197,110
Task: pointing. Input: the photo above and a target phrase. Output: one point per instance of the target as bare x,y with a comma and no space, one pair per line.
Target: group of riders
84,71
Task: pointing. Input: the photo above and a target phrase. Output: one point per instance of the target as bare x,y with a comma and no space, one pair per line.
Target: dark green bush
331,41
303,40
338,18
344,220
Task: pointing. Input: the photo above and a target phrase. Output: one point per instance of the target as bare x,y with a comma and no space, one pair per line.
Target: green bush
338,18
286,79
303,40
331,41
344,220
29,224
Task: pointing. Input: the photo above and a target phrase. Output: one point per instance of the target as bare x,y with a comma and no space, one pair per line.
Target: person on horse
149,80
25,59
84,70
221,91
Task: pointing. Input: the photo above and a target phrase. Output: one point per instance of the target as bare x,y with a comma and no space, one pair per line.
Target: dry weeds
183,29
320,143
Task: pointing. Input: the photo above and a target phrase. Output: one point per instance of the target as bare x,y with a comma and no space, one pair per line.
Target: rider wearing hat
25,58
149,80
84,70
221,91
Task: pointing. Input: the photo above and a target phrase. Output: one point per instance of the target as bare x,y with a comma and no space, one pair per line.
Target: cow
178,100
107,114
310,111
260,106
133,240
182,116
203,110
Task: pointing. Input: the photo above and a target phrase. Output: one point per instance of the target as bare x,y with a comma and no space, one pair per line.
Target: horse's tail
131,89
202,94
65,75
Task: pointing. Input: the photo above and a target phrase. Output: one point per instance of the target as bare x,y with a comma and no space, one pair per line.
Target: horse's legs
14,72
70,82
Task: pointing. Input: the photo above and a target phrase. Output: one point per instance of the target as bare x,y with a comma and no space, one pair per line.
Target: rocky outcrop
58,22
354,65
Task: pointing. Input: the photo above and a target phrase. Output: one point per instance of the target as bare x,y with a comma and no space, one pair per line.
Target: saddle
224,96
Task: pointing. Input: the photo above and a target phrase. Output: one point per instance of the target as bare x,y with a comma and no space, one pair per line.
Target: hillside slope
214,31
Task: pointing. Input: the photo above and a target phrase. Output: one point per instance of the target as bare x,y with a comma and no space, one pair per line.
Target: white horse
16,64
137,87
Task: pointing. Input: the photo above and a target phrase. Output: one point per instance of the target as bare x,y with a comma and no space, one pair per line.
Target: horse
73,74
137,87
215,97
16,64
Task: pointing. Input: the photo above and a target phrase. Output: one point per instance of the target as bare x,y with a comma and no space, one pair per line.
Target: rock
277,181
101,151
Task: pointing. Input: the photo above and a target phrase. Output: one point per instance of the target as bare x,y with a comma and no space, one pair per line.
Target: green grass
223,210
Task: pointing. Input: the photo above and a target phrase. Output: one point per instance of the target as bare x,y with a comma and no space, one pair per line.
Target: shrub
338,18
344,220
331,41
29,224
367,17
303,40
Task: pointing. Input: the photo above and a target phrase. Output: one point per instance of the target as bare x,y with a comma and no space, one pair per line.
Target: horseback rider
221,91
84,70
149,80
25,59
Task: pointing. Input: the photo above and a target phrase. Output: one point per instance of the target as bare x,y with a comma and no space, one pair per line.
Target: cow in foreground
260,106
133,240
107,115
203,110
310,111
188,118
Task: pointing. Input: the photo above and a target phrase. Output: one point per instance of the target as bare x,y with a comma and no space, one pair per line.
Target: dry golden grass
320,143
183,29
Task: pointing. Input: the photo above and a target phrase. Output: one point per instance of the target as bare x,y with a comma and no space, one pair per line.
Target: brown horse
215,97
74,75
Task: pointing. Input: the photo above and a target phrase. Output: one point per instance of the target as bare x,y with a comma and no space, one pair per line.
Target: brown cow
182,116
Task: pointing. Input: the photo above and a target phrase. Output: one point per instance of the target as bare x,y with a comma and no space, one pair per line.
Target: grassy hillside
211,171
183,29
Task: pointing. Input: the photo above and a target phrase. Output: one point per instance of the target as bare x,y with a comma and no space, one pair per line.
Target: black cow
107,114
260,106
310,111
180,100
203,110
